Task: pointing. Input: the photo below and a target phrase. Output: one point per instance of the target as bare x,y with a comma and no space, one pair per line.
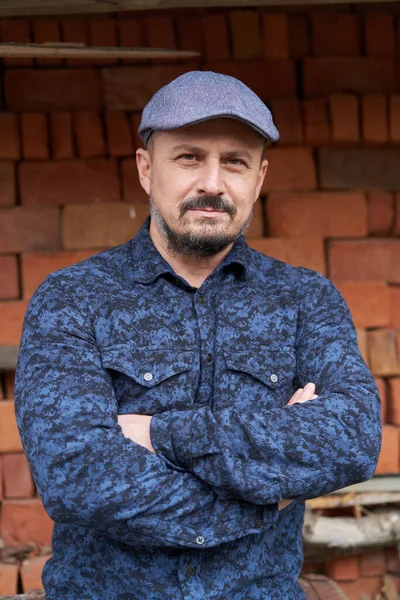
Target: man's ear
261,176
143,162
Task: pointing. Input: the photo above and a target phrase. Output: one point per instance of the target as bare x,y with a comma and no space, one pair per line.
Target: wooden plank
81,51
353,499
57,7
8,357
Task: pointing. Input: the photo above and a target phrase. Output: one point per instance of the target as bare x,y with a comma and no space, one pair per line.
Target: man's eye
189,157
235,161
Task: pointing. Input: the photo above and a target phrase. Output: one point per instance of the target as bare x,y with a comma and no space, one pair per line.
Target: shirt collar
149,264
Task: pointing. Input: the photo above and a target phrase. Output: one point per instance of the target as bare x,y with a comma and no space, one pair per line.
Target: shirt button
209,358
200,540
258,523
189,571
148,376
274,378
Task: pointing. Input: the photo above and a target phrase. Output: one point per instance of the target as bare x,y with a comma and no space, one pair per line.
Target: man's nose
210,180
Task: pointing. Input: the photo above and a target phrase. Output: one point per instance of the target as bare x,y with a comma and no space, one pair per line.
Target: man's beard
193,243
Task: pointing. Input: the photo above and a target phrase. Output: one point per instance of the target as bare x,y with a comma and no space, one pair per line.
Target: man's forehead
213,132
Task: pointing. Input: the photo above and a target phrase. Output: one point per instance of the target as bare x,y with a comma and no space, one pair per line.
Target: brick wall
331,201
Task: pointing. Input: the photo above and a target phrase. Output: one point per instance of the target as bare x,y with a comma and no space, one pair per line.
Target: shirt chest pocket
150,380
261,377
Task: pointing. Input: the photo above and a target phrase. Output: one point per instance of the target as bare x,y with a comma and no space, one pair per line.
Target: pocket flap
147,366
273,367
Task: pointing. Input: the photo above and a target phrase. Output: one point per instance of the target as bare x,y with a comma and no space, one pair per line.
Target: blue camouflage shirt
121,332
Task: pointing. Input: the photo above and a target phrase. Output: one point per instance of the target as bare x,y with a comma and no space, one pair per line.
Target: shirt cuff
174,450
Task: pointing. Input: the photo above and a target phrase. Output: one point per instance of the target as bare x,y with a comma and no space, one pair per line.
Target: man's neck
193,269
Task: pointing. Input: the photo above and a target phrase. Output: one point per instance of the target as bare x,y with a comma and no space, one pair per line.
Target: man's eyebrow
197,150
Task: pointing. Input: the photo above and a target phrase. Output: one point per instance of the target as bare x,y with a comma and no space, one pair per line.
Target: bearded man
166,388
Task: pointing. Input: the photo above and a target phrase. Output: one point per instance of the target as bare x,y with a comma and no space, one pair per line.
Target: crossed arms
214,474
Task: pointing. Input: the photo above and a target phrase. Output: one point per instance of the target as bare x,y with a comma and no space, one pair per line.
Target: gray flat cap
198,96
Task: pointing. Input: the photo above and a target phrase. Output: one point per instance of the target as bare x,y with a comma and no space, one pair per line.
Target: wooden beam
8,357
10,8
64,50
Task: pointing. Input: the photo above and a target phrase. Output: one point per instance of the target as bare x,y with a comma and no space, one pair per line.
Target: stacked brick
330,202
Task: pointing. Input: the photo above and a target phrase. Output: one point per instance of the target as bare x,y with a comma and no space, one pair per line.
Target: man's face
202,181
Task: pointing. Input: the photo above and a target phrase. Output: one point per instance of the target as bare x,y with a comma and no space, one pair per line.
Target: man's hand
137,428
302,395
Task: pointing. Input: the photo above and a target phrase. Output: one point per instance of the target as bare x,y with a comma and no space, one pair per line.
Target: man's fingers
303,394
295,396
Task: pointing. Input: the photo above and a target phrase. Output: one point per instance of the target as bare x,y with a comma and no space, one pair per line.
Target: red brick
396,225
37,265
25,521
135,122
9,379
394,307
101,225
369,168
102,32
362,340
373,564
299,40
382,387
25,228
394,118
9,136
130,88
368,302
76,31
374,116
299,252
389,457
365,260
245,34
335,34
276,35
380,213
12,316
132,189
9,438
131,34
69,182
9,288
379,34
331,214
16,30
383,356
34,136
364,588
1,472
159,33
345,117
394,401
216,37
267,78
343,568
7,184
287,118
290,169
47,30
52,89
31,572
392,560
317,127
8,579
339,74
89,134
18,482
256,227
62,143
190,35
119,135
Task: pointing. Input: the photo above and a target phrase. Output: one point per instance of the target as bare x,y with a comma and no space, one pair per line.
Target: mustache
206,201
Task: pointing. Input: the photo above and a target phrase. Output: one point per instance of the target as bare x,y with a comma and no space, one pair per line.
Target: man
161,389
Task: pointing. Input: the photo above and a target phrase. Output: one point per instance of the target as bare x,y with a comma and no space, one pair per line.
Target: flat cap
198,96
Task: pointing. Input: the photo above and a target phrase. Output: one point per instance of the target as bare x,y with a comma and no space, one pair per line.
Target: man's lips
207,210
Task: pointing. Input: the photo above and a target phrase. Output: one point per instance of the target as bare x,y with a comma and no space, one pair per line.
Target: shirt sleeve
86,471
303,450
